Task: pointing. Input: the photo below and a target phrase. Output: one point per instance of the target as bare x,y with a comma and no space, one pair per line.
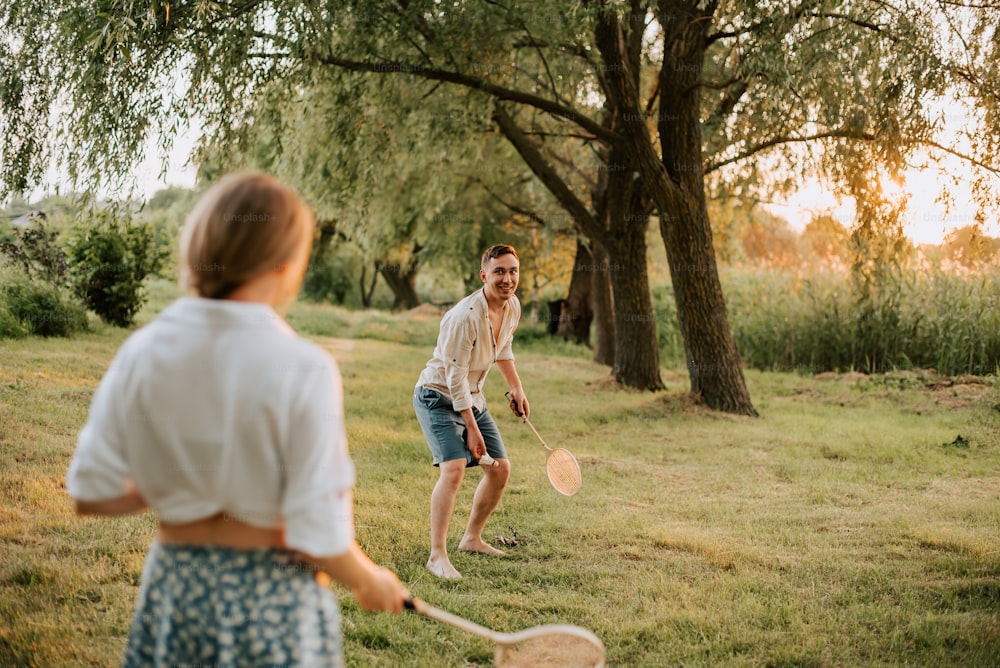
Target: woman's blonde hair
243,226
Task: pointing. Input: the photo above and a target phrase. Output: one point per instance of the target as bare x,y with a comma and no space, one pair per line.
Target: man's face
500,277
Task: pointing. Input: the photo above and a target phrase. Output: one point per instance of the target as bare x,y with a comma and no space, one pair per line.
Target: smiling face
500,276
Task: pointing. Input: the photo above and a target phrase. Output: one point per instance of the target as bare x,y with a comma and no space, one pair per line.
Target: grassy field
848,525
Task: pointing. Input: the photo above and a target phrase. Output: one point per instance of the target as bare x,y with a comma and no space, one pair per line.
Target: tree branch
794,14
541,56
475,83
571,135
778,141
545,173
714,123
995,169
531,215
848,134
844,17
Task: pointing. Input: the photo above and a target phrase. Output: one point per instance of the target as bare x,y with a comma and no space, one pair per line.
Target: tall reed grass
924,317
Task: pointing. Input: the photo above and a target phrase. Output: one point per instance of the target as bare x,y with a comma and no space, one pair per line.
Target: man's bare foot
478,546
442,568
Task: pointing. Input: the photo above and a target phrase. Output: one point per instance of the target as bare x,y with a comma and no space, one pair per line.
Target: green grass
841,528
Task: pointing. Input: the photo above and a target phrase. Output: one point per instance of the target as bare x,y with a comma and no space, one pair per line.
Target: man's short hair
497,250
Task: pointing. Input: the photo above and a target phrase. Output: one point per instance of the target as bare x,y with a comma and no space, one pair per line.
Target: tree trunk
621,201
676,183
604,308
622,232
367,289
578,312
713,362
637,349
402,281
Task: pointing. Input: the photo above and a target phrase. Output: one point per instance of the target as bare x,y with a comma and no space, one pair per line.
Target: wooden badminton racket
552,645
561,466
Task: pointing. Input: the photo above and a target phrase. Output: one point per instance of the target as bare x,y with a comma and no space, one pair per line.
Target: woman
231,427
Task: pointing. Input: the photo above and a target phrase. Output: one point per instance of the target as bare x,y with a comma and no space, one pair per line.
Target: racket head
563,471
553,645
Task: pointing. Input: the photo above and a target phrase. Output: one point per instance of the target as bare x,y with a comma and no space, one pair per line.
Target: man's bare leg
484,502
442,508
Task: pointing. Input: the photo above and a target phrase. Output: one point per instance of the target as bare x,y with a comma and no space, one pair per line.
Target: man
450,406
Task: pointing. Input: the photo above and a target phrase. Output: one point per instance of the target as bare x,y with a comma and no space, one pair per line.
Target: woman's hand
375,587
382,592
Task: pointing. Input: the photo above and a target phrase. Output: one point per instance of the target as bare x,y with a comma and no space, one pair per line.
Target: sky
148,177
928,221
179,171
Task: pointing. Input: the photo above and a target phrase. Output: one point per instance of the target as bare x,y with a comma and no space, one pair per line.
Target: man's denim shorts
445,429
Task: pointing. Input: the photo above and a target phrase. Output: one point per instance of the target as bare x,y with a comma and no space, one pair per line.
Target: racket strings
564,472
551,649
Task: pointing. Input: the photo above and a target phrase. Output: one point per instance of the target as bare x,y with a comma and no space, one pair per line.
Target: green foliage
39,253
333,273
10,326
29,306
844,90
403,177
111,257
34,299
165,213
928,318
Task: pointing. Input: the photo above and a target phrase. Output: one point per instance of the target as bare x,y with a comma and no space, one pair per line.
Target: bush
38,253
109,260
32,307
10,327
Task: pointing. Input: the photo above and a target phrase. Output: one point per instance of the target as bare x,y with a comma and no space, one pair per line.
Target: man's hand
519,403
475,443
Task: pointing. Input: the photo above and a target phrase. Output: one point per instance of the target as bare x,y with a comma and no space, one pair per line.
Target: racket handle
513,406
486,460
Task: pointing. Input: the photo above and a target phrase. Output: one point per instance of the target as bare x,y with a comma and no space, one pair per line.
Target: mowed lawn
856,522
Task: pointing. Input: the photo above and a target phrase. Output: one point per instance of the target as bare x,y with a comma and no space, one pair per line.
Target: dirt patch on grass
960,395
849,378
945,391
667,404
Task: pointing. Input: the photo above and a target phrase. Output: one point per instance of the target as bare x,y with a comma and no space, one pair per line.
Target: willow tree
408,180
668,97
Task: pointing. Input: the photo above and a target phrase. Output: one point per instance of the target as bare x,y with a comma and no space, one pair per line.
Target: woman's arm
128,503
375,587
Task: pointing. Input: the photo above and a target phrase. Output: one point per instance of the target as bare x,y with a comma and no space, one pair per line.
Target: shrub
10,327
32,307
109,260
38,253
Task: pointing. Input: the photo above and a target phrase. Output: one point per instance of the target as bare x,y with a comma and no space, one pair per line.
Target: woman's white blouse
219,407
